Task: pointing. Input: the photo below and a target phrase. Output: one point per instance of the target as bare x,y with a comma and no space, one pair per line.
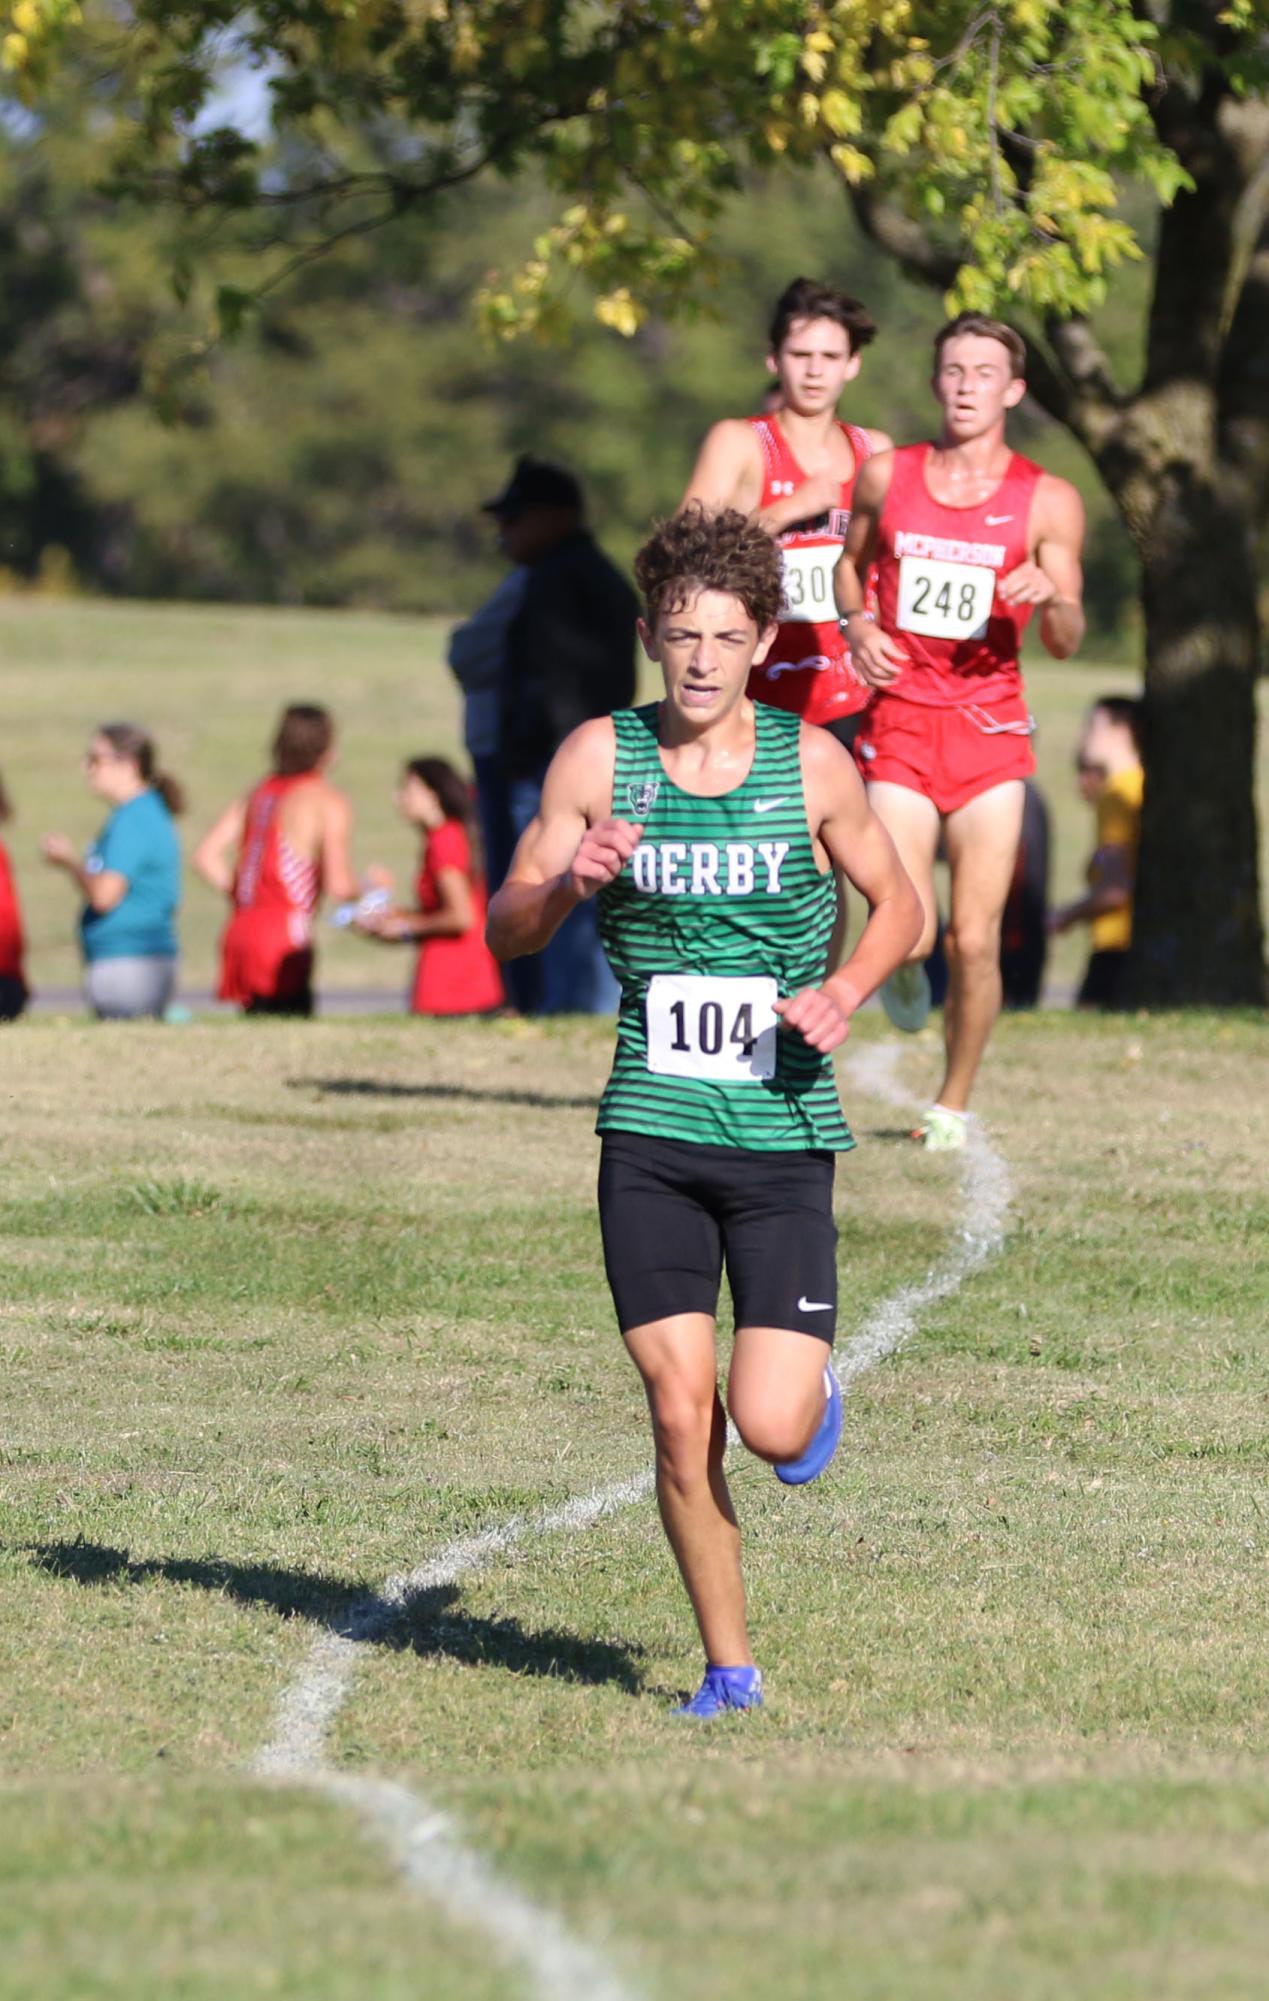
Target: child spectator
290,837
1112,781
13,988
456,972
130,879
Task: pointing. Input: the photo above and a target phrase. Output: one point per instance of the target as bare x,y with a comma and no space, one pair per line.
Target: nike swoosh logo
997,520
806,1305
769,805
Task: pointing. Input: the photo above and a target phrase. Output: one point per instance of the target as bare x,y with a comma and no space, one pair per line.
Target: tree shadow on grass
376,1087
429,1623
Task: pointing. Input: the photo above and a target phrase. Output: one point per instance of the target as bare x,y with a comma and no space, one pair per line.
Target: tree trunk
1197,934
1186,463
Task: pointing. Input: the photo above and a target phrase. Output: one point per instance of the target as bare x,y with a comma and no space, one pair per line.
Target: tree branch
1073,383
1047,386
1202,256
896,233
1085,362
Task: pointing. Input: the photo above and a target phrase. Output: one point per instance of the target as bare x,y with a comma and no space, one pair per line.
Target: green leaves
1008,124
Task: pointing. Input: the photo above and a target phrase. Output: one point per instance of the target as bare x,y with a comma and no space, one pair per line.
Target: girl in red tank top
267,949
808,668
456,973
937,568
276,878
13,988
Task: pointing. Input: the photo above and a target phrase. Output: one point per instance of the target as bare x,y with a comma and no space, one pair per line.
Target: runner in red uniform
794,469
290,838
967,539
456,971
13,988
937,568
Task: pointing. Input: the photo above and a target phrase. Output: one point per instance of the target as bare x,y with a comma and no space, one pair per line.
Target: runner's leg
912,821
677,1361
775,1391
982,843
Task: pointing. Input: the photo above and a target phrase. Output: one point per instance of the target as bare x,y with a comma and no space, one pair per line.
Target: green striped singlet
730,889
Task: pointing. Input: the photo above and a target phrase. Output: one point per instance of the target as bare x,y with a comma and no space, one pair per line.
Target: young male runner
968,540
709,826
794,469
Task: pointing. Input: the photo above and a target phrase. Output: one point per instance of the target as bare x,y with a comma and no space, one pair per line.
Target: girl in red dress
13,988
456,972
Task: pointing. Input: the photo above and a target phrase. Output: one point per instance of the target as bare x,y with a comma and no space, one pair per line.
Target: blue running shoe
796,1472
724,1688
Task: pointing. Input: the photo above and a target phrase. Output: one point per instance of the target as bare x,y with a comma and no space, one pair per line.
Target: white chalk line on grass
423,1842
986,1192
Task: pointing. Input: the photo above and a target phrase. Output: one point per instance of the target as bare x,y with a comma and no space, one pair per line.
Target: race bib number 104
723,1030
945,600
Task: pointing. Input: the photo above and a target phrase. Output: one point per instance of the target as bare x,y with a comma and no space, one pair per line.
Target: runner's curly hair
703,551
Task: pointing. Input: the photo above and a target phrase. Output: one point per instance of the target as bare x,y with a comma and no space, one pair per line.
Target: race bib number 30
724,1030
945,600
808,585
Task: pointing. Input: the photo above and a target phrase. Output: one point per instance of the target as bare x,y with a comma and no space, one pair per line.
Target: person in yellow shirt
1112,781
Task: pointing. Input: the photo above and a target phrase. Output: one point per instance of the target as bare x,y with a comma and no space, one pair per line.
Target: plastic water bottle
368,904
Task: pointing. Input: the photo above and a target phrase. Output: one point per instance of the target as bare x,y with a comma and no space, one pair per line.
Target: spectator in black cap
570,656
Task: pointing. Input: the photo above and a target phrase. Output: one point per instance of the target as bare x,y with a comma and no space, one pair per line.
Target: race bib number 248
945,600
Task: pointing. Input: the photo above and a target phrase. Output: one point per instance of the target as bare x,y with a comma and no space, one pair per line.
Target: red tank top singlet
270,875
937,569
266,952
808,669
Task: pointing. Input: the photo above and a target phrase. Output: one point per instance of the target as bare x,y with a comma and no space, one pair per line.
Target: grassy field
289,1308
209,682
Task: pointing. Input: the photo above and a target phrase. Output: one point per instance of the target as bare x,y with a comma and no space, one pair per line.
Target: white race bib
721,1029
945,600
808,585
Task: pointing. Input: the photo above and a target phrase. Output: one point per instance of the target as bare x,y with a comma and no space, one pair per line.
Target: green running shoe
906,998
942,1131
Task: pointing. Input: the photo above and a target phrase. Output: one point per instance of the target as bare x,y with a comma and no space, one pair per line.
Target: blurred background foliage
337,450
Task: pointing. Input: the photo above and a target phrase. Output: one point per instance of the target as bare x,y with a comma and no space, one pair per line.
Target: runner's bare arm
853,564
1052,577
728,469
879,658
339,878
572,848
857,843
210,858
728,473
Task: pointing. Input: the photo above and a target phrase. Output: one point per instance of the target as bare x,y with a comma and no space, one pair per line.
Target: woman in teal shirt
130,878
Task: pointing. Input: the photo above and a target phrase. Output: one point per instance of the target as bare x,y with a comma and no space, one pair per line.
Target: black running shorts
672,1212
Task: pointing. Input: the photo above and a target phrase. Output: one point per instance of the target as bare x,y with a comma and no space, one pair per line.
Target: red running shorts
949,755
